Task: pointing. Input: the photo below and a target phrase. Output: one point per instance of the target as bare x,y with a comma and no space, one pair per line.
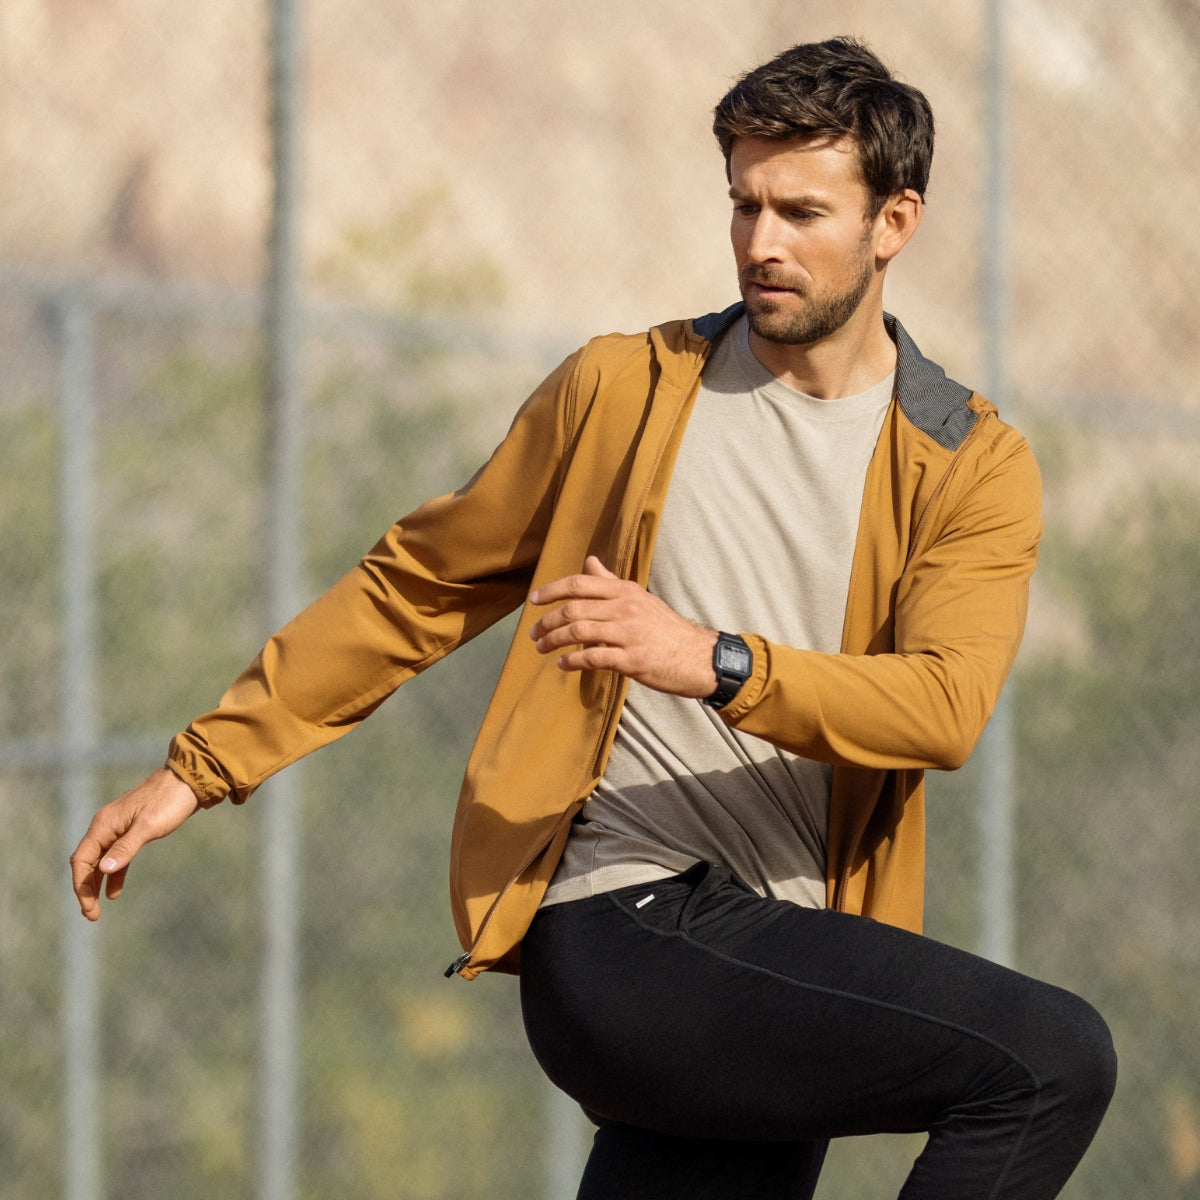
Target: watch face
733,658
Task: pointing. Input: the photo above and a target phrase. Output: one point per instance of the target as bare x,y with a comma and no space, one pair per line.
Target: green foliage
31,903
30,583
180,456
420,258
1133,583
396,1059
1109,830
373,455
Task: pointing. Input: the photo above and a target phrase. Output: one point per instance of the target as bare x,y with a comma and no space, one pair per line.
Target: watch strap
733,663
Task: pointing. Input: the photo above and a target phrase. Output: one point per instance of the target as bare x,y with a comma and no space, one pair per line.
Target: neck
843,364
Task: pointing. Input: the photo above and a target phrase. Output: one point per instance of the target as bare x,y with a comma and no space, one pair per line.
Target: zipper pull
457,965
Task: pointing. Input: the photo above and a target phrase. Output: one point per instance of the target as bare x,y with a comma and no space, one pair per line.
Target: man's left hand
600,622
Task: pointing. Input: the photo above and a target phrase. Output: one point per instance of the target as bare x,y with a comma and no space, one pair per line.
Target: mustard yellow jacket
937,601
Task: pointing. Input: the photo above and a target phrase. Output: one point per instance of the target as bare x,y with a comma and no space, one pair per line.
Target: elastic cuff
207,796
750,691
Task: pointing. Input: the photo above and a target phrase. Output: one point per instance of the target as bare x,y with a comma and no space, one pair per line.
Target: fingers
597,657
87,873
114,884
604,621
586,612
594,567
156,807
596,621
90,859
596,581
86,879
575,623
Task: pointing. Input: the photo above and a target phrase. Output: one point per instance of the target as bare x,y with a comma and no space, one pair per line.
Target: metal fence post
279,800
996,865
567,1144
77,739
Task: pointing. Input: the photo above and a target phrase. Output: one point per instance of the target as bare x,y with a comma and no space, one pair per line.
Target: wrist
732,664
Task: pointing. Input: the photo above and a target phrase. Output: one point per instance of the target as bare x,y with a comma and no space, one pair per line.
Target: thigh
697,1009
638,1164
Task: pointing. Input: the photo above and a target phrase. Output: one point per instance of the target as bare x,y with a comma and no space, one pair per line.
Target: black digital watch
733,662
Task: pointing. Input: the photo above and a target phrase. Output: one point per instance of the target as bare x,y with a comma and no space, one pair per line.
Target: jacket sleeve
920,697
437,578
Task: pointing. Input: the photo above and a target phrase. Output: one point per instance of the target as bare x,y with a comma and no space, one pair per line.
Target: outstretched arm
156,807
438,577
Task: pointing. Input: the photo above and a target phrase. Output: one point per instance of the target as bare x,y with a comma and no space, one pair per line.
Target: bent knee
1080,1060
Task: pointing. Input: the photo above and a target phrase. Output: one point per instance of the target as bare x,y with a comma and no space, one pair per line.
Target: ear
896,222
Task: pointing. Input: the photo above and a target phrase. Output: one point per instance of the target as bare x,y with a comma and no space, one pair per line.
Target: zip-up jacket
936,606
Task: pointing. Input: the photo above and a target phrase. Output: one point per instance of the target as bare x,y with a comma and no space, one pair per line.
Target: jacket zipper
457,965
464,959
943,483
843,884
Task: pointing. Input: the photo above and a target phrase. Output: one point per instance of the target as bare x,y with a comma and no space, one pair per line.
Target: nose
763,244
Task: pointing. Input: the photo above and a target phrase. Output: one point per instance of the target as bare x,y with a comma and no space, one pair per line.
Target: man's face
804,246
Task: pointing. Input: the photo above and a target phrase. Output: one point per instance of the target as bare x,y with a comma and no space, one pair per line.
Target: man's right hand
156,807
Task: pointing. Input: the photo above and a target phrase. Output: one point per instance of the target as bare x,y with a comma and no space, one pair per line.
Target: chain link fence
482,187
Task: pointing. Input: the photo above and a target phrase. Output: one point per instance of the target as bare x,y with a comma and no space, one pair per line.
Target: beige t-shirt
757,534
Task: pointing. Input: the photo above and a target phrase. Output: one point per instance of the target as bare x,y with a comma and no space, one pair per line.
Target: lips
764,297
768,286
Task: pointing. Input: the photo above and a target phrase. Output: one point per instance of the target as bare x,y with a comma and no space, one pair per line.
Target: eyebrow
801,201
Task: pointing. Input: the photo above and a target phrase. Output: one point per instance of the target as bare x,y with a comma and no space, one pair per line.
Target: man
674,831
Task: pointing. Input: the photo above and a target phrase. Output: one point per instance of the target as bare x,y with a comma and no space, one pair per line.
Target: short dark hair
836,89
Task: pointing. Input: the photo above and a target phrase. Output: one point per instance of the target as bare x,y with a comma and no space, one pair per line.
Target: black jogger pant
719,1039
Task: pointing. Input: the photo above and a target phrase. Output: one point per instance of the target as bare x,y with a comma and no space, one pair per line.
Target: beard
818,316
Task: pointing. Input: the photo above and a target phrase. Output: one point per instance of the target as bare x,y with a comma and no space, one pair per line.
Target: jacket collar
933,402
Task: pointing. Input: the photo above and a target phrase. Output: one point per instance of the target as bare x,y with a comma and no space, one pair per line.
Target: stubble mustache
769,277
